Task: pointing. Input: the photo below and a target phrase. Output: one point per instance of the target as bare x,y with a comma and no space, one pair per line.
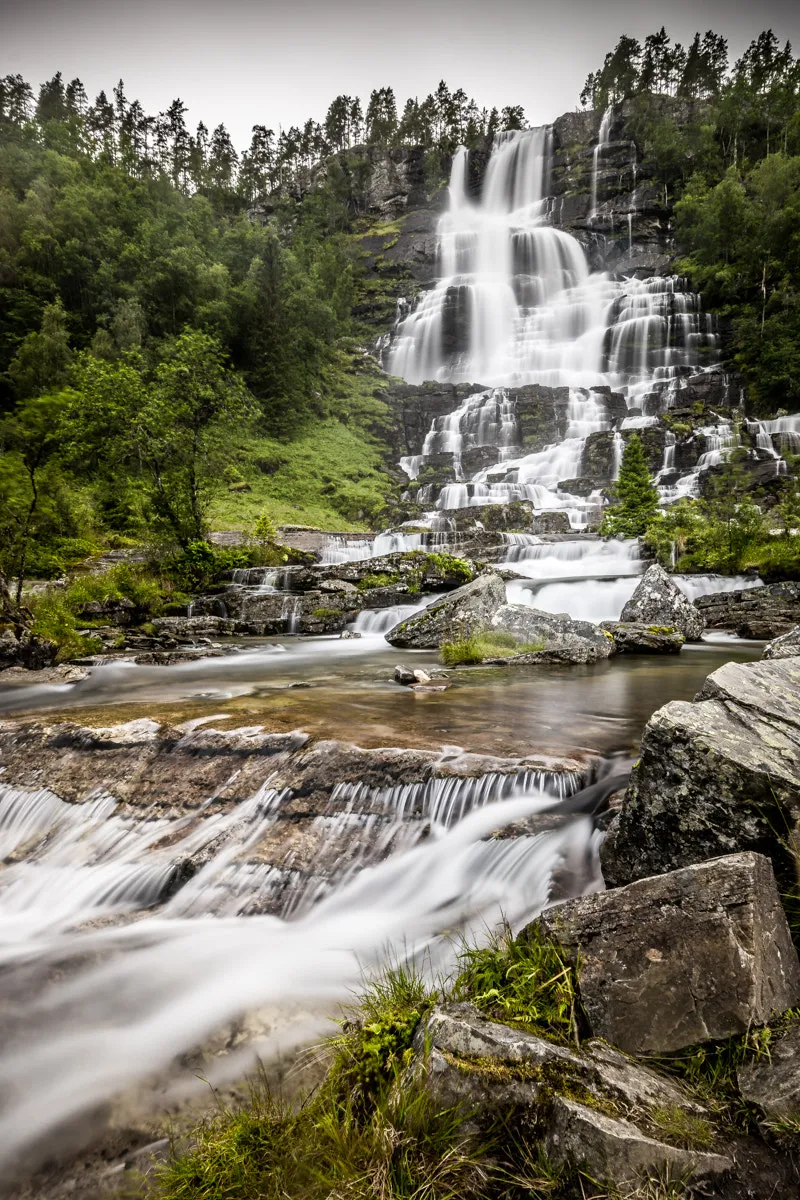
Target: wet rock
404,675
421,676
116,612
25,649
612,1149
658,601
643,639
763,612
552,637
786,646
715,776
181,628
772,1081
349,635
461,614
696,954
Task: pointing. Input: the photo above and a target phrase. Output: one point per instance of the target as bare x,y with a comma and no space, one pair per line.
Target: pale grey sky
258,61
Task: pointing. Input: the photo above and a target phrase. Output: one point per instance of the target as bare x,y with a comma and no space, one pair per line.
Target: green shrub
54,620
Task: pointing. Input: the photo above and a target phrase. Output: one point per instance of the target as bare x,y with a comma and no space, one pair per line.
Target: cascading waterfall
516,302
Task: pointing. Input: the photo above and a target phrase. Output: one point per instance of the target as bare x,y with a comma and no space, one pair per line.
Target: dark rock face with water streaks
716,776
760,612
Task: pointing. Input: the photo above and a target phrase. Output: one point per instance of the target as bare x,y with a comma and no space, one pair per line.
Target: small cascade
263,580
617,451
392,542
290,613
720,440
373,622
603,139
776,438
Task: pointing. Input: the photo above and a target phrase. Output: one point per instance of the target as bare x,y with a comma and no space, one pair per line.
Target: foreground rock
697,954
786,646
615,1150
462,614
486,1069
715,776
759,612
644,639
658,601
555,636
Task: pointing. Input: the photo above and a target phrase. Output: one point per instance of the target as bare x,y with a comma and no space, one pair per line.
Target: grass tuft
491,644
526,981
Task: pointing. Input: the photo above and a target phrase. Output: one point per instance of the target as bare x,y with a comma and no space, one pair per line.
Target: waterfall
516,302
602,142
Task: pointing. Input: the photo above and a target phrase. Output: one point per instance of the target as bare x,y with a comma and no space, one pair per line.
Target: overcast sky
258,61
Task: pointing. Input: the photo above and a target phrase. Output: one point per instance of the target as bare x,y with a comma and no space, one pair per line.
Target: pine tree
637,496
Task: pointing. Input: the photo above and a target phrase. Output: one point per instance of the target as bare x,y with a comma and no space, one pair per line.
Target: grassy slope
332,474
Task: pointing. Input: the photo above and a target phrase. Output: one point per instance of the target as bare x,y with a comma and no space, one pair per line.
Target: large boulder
715,776
671,960
464,613
557,636
785,646
644,639
757,612
658,601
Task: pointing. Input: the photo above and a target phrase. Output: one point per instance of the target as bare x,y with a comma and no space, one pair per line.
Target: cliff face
397,194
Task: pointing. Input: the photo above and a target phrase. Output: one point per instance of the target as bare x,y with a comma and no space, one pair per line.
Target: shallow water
491,710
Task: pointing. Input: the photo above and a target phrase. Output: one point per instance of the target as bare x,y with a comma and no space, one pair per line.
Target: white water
137,996
517,303
589,598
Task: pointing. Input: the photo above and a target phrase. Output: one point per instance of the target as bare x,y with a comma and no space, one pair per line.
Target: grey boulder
786,646
772,1081
560,638
715,776
613,1149
658,601
671,960
462,614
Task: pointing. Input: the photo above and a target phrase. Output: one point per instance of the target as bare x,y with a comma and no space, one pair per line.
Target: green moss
322,614
381,579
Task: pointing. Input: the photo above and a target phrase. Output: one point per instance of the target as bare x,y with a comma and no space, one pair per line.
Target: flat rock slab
612,1149
773,1081
697,954
715,776
644,639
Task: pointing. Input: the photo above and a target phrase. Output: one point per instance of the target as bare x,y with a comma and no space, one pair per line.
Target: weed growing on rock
526,981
